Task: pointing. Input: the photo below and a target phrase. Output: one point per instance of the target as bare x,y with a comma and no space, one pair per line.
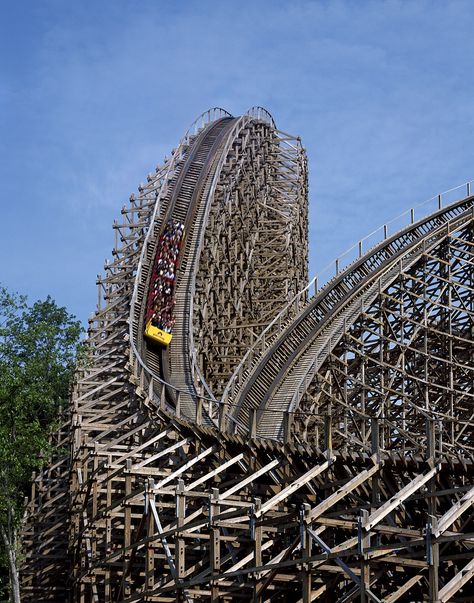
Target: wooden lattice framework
265,457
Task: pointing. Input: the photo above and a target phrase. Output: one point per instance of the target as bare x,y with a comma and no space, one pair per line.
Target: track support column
215,550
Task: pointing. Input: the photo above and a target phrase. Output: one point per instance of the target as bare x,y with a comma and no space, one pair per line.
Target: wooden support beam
377,516
459,580
404,588
248,480
215,545
185,467
215,472
180,546
343,491
345,568
447,520
161,454
164,541
306,582
294,486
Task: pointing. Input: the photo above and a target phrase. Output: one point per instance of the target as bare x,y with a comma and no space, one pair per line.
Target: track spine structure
285,446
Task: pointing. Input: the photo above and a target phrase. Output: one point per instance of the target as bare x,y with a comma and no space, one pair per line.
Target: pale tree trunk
10,541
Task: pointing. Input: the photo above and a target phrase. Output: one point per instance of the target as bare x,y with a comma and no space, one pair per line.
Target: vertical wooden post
287,426
151,388
328,434
178,404
430,441
95,502
432,558
127,528
222,413
375,437
375,481
163,398
179,552
199,411
108,534
306,542
150,532
215,550
99,292
363,546
432,549
253,423
256,537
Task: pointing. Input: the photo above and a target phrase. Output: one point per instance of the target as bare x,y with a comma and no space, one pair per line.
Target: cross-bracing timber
285,448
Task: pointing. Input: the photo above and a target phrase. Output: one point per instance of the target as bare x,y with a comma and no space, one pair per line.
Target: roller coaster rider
161,294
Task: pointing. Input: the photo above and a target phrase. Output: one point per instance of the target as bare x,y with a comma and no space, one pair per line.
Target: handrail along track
269,370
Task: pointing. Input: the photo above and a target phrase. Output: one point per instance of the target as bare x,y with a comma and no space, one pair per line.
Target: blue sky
94,94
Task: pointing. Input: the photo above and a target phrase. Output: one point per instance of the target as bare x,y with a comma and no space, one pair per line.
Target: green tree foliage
38,351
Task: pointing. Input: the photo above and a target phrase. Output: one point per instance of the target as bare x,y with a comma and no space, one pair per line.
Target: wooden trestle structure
287,446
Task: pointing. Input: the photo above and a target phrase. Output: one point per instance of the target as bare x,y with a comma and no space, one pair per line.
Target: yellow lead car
158,335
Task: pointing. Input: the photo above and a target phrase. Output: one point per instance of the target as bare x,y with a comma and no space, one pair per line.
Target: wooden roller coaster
283,445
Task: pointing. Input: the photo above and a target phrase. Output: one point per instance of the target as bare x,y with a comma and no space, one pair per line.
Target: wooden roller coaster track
284,447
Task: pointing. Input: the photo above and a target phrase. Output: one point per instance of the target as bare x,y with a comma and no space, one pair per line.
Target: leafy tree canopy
38,351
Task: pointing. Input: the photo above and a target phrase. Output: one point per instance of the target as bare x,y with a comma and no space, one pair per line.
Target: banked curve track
187,203
175,375
275,380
